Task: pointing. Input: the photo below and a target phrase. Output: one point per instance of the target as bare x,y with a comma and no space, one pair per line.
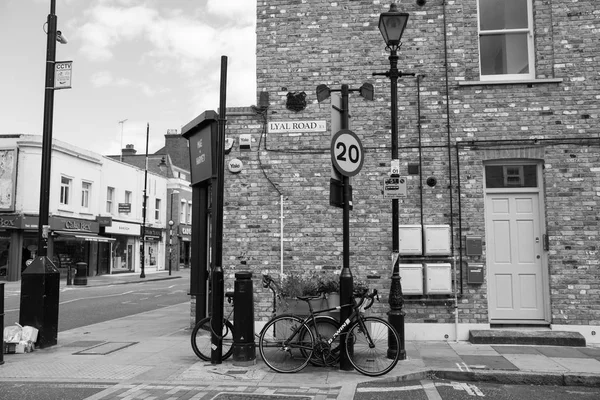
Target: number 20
353,152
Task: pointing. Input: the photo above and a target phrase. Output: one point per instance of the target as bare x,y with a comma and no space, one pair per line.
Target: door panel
513,257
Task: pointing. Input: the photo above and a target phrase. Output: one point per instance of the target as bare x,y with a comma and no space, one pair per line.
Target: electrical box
411,240
437,240
475,274
438,278
474,245
411,276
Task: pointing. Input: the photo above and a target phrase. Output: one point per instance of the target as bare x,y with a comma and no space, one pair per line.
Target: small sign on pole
394,187
62,74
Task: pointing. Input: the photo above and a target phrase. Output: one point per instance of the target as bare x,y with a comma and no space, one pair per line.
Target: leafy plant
328,282
295,284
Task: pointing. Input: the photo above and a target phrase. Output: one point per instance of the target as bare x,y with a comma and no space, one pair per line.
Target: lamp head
323,92
171,223
391,25
163,164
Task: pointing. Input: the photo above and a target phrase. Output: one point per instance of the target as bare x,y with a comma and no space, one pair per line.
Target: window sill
528,82
64,208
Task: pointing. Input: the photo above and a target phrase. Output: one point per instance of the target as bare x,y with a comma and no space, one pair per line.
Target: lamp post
143,245
171,231
391,25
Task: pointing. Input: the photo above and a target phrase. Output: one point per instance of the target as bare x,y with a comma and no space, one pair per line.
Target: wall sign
296,126
235,166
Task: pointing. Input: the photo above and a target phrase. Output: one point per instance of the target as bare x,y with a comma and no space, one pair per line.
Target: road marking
430,390
463,367
388,389
95,297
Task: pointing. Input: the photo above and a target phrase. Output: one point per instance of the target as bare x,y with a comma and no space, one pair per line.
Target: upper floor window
110,199
127,197
157,209
189,213
182,212
65,190
506,49
86,189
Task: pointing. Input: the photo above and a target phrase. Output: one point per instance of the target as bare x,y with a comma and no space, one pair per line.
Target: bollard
81,277
2,321
244,349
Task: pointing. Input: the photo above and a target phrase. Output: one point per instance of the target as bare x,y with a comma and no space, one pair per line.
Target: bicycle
201,334
287,342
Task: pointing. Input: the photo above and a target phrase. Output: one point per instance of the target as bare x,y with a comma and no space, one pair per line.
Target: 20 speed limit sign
347,152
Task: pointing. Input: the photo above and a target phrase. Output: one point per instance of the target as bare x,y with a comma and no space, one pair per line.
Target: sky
155,62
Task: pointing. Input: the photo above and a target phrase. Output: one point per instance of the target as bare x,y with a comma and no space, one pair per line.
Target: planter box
300,308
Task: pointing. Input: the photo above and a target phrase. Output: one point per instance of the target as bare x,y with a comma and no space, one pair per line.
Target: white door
514,257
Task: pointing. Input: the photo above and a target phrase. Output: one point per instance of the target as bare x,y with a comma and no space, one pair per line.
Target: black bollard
244,349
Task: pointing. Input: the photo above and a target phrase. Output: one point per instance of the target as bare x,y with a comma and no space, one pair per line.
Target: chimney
128,150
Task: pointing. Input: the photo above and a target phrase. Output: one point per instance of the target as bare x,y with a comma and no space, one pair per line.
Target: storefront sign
10,221
30,222
104,221
73,225
185,232
123,228
153,232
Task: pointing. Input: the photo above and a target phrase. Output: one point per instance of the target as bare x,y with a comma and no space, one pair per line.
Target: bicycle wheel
324,354
283,346
372,361
201,339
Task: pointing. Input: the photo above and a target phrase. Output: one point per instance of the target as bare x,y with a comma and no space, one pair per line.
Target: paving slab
532,362
488,362
587,365
507,349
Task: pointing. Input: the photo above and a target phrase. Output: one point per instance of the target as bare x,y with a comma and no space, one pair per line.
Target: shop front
75,241
18,244
185,250
154,248
123,255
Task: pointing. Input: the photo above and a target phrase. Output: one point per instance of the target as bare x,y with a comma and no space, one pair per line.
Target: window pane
502,14
498,176
504,54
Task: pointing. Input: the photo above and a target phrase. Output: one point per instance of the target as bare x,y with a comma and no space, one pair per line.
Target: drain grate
105,348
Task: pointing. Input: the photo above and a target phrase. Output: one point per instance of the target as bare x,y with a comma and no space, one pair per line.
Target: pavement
149,356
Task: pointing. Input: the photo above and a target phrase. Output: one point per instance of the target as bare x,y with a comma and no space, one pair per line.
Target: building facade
498,146
95,210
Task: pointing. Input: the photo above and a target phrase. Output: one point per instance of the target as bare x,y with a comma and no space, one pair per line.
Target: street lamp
143,245
171,231
391,25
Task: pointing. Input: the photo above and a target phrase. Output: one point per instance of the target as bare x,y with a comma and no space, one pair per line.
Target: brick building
498,142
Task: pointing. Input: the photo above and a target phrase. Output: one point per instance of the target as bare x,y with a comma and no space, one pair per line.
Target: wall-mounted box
475,274
437,240
438,278
411,276
245,141
474,245
411,240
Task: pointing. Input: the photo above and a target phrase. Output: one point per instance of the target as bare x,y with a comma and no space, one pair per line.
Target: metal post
40,283
143,245
170,243
346,279
218,192
396,299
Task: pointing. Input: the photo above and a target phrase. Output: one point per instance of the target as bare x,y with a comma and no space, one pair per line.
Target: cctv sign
62,74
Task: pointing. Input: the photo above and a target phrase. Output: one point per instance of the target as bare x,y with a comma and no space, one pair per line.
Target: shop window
157,209
110,199
86,189
506,46
510,176
65,190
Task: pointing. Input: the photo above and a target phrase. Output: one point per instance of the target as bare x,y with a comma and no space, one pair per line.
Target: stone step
527,337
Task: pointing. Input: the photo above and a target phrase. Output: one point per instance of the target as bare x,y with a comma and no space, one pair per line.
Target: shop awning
90,237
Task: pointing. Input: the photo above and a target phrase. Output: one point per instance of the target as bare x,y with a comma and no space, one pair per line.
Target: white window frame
86,195
110,199
65,191
189,213
182,212
530,46
157,204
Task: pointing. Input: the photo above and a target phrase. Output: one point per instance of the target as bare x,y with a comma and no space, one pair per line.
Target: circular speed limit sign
347,152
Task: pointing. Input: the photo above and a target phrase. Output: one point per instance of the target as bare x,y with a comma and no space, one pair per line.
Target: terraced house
498,151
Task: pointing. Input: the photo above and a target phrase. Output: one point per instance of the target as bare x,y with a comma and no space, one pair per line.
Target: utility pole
122,122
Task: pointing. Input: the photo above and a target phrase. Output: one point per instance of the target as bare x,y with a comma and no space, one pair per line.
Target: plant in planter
294,285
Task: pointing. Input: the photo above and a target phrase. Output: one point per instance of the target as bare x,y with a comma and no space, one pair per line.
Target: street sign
394,187
62,74
347,154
